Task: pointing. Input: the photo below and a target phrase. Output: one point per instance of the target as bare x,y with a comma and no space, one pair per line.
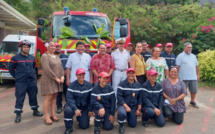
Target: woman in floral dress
158,63
174,91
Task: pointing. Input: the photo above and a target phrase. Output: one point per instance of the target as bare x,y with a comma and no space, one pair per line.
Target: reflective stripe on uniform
152,91
121,121
77,91
103,94
132,89
68,119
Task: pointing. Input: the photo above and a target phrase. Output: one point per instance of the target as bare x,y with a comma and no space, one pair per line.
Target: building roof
12,18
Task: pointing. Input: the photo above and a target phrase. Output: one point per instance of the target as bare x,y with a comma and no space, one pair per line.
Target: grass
206,83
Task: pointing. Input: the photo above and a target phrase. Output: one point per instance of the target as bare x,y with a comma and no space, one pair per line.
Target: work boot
37,113
68,130
59,110
121,129
145,123
18,118
97,130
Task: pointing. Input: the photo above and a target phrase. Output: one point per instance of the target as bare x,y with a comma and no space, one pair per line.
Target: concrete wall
4,32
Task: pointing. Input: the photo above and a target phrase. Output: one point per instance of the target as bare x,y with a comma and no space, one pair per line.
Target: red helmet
24,42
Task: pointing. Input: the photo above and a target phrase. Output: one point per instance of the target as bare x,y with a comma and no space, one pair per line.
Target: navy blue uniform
130,94
63,59
78,97
146,55
170,58
22,68
103,98
152,98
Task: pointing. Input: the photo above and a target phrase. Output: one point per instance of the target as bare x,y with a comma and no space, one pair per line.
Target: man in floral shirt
101,62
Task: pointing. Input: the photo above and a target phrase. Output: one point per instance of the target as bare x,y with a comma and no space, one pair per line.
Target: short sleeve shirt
102,64
76,61
121,59
159,65
174,91
187,63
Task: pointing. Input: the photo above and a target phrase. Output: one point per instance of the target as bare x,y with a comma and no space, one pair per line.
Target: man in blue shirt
78,102
168,55
63,58
146,54
152,100
187,64
22,68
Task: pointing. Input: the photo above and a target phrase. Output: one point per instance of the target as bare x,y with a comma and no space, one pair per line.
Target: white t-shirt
76,61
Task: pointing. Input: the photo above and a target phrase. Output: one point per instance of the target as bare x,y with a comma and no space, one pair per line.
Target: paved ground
196,121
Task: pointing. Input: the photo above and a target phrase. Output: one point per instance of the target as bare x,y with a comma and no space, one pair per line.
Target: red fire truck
81,24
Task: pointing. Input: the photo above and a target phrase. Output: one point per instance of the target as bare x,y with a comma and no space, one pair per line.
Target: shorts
192,85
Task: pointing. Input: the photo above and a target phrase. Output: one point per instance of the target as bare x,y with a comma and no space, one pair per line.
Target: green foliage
21,5
207,65
66,32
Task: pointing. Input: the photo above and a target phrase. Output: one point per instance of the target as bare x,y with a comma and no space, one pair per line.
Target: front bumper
5,75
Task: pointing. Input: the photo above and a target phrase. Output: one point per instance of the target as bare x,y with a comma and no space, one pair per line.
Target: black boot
18,118
97,130
121,129
68,131
37,113
59,110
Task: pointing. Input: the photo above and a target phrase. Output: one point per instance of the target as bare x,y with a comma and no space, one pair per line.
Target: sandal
54,118
47,121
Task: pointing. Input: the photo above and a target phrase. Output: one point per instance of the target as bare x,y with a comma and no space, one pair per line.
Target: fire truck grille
4,65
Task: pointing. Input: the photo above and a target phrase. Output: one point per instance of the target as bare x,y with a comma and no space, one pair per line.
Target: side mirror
123,21
40,30
41,21
123,32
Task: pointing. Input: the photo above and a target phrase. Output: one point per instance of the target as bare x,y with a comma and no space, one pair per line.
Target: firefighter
22,68
103,101
63,58
78,102
152,100
129,98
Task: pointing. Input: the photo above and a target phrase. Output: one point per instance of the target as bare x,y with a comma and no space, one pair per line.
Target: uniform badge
133,94
98,97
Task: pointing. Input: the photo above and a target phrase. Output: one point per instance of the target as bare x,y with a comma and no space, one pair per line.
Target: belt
120,70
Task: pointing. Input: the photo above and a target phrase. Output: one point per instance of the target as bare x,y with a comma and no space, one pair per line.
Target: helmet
24,42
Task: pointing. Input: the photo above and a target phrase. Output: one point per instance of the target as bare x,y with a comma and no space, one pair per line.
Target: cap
104,75
57,44
150,46
86,45
80,71
159,45
130,70
152,72
129,44
108,45
169,44
120,41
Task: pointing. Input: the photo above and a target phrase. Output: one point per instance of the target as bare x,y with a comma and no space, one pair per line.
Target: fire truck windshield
13,48
80,25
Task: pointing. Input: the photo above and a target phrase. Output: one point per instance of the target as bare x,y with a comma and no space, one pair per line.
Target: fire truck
10,47
81,24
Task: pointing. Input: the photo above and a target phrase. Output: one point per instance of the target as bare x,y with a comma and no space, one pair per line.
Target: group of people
152,84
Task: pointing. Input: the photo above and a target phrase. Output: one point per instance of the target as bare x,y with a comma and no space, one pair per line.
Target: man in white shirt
121,59
76,60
